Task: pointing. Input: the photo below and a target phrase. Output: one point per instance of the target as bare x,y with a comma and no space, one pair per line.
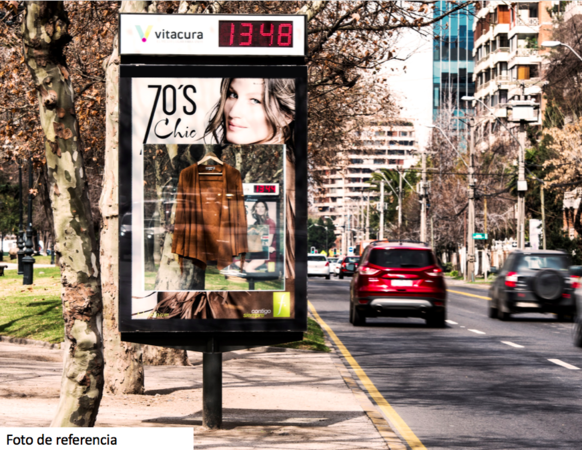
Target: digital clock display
253,33
265,188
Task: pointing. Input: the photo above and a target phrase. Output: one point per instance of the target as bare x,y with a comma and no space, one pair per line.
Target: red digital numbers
244,34
265,189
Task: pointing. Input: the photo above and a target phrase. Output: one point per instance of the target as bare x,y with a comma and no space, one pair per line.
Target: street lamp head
431,126
551,44
467,98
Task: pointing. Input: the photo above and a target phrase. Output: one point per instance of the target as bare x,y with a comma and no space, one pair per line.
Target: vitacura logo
142,35
281,304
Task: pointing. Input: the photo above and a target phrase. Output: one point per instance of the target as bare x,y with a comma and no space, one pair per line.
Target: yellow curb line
386,408
468,295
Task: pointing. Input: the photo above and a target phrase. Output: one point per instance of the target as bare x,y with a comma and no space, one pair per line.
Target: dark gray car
533,281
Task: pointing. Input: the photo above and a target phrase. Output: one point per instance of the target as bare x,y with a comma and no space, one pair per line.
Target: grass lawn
312,339
32,312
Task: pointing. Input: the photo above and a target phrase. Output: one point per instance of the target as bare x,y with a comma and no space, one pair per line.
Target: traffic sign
479,235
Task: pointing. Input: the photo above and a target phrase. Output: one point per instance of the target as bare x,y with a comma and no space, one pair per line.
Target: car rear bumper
400,306
528,302
318,272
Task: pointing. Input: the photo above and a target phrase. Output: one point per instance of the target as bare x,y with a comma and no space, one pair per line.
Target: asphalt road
478,384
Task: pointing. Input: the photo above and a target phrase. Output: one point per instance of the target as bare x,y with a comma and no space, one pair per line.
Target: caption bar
117,438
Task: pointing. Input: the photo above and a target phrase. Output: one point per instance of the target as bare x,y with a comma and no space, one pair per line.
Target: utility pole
521,188
471,228
431,233
368,217
543,217
381,233
399,201
423,236
344,211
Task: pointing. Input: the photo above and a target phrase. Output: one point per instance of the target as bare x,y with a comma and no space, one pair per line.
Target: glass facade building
453,63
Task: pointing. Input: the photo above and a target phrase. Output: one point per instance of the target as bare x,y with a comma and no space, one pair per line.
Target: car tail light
365,270
436,272
511,279
327,264
575,282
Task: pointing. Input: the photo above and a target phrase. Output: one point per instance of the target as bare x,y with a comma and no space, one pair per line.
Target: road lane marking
477,331
564,364
400,425
468,295
452,322
511,344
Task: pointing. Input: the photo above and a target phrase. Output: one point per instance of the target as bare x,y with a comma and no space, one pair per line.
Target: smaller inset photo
214,218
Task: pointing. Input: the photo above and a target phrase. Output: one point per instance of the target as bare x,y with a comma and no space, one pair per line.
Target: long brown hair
278,102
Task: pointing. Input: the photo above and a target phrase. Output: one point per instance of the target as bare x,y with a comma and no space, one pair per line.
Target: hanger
210,156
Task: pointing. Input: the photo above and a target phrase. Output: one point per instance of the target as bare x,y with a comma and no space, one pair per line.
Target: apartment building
508,58
344,191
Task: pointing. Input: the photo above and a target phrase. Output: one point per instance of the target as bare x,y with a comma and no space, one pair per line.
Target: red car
398,279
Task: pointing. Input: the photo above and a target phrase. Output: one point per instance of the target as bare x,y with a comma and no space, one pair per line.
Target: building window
357,161
379,161
403,133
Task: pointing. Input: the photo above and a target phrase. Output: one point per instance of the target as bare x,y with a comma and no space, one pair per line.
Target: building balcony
524,56
525,26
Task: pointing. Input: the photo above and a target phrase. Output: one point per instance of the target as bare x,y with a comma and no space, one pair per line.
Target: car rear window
540,262
316,258
352,259
401,259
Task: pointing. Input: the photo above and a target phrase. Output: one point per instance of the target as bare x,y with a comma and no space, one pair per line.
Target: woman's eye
232,95
255,101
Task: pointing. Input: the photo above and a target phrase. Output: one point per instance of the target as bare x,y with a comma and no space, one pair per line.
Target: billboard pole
212,388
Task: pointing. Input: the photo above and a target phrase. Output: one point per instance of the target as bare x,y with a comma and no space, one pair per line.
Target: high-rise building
344,190
452,59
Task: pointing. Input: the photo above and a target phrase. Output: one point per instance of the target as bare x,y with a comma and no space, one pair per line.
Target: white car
332,264
317,266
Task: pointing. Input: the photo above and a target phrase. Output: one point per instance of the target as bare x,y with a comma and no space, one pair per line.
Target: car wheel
341,276
502,315
327,277
492,311
358,319
436,320
351,313
577,334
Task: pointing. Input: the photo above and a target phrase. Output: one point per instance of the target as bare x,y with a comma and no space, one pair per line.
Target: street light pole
368,217
471,228
521,188
381,233
28,260
20,240
558,44
423,227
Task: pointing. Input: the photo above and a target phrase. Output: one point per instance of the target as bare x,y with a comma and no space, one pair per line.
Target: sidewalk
481,285
271,399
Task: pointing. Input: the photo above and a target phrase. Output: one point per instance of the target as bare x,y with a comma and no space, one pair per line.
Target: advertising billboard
212,173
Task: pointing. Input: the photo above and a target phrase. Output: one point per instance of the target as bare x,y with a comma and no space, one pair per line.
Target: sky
413,86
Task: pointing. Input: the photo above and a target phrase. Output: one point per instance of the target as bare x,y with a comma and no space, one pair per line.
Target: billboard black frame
221,334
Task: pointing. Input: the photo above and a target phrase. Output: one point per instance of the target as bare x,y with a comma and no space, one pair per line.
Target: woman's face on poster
244,112
260,209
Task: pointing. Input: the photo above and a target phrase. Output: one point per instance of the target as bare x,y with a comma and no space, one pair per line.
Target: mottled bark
44,33
123,360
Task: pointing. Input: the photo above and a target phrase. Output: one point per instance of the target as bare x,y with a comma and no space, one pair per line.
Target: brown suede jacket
211,221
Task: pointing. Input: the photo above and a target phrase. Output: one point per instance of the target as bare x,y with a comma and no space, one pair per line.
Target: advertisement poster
210,231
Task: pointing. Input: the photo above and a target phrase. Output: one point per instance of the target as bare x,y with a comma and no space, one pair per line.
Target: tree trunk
45,35
123,360
124,372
